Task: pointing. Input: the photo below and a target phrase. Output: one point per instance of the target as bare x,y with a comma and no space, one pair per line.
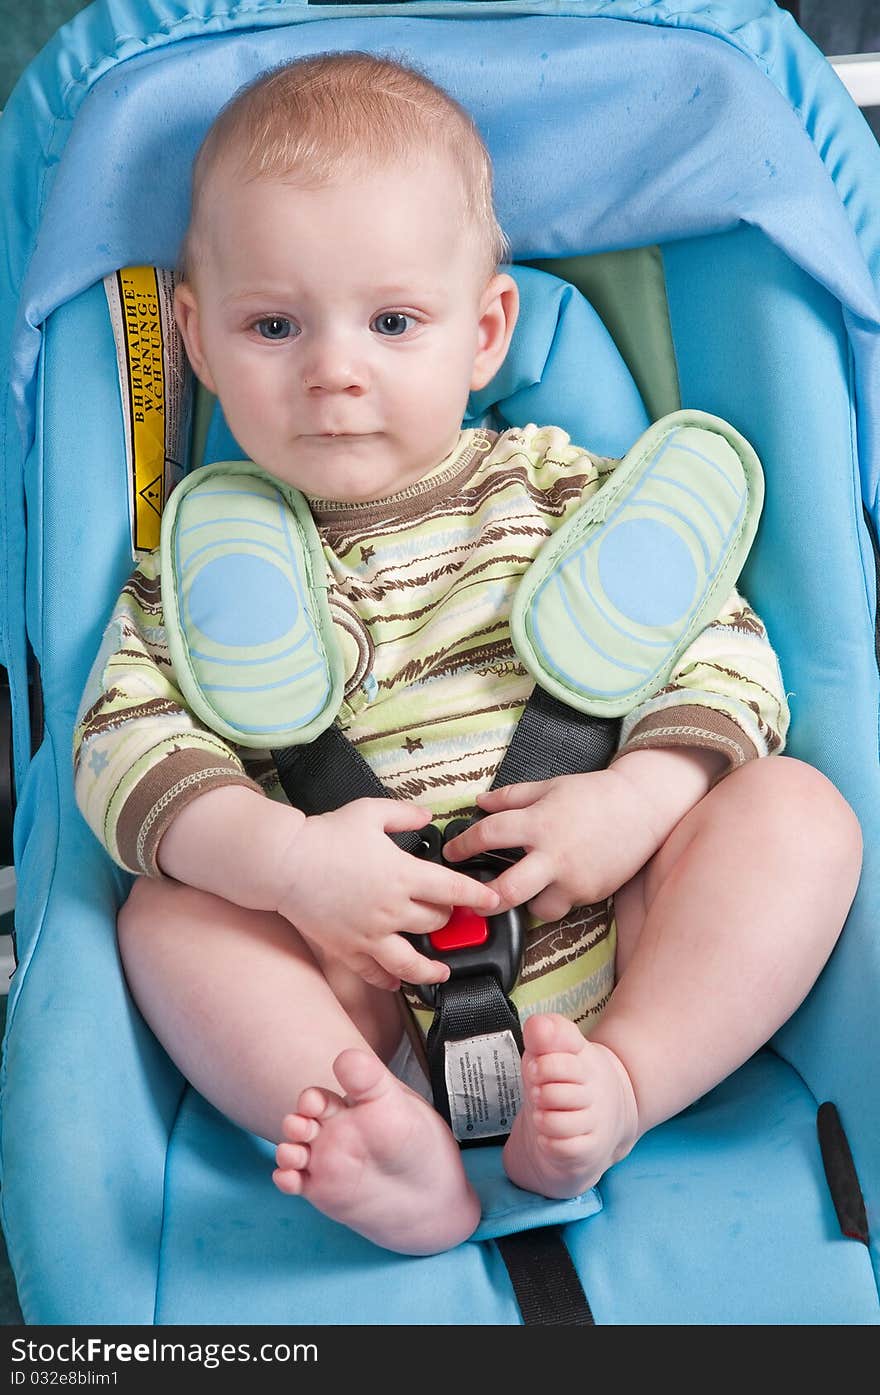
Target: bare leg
720,938
241,1005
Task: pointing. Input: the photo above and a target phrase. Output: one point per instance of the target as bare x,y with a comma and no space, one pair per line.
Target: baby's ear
186,313
499,308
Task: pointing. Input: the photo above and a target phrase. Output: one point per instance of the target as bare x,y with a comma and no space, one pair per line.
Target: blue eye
393,323
275,328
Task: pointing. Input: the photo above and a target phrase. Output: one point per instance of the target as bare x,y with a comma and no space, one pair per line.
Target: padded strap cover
618,593
601,616
244,587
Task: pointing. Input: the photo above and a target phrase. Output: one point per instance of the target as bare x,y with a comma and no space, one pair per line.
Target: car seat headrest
563,369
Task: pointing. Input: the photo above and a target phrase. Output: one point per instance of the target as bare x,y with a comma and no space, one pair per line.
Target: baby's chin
350,469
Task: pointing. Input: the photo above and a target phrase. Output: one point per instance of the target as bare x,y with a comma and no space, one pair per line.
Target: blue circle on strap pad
647,572
241,600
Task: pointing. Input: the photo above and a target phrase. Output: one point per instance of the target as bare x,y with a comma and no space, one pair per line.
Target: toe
316,1103
362,1076
294,1156
564,1067
561,1096
564,1150
289,1182
298,1128
563,1123
549,1032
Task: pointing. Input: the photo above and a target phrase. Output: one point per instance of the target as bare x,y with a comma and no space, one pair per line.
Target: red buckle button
463,929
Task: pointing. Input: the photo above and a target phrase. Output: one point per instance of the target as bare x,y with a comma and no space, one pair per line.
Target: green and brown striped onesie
421,590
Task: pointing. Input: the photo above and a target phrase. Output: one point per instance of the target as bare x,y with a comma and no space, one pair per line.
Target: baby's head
341,291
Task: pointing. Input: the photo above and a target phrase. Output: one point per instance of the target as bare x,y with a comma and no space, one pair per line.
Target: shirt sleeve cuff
158,798
694,726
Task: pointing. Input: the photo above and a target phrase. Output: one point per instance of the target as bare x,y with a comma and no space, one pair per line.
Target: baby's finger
510,829
440,886
374,974
551,904
423,918
399,956
523,881
400,817
513,796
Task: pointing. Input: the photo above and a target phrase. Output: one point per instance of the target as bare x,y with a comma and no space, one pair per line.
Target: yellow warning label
155,389
139,295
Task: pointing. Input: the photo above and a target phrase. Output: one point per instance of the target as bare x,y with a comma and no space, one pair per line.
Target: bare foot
380,1160
578,1114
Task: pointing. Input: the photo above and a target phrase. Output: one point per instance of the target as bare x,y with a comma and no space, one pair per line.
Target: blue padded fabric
723,1216
744,1161
563,367
771,1254
143,85
89,1097
63,1089
781,370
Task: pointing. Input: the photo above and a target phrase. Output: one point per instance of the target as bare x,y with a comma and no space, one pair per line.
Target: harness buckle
469,943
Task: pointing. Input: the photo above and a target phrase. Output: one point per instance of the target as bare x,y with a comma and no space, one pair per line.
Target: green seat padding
618,593
599,619
244,585
627,289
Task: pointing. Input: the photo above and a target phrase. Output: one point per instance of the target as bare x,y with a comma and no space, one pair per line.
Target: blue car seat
700,174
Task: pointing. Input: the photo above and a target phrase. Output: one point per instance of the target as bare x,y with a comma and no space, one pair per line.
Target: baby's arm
139,754
338,877
725,694
587,835
149,776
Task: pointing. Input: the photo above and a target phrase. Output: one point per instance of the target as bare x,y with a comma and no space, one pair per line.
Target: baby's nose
334,367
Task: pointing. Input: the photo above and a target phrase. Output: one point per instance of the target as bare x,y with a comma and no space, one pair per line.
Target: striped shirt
421,586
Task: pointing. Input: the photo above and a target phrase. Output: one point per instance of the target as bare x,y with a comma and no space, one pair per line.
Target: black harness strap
545,1281
841,1175
551,739
467,1007
330,772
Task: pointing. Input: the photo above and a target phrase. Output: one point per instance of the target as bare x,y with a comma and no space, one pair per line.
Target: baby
342,296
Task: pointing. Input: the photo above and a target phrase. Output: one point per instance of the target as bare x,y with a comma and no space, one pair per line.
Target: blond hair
322,116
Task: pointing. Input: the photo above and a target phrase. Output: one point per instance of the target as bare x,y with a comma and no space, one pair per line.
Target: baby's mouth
342,435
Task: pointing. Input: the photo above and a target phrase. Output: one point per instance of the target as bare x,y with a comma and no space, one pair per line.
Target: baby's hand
584,836
352,891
